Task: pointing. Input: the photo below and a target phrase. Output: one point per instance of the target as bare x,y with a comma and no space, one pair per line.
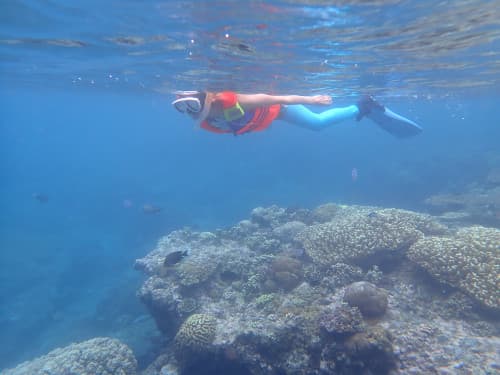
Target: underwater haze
96,165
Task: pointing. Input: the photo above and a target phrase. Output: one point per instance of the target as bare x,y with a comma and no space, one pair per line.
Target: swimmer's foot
366,105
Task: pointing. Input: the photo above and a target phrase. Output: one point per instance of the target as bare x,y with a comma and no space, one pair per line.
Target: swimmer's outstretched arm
258,100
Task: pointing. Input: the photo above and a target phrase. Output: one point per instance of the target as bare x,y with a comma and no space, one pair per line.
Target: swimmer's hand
321,99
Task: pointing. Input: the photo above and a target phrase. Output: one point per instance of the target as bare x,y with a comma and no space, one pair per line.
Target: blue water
85,119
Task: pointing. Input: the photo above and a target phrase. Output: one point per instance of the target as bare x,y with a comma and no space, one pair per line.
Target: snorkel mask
190,102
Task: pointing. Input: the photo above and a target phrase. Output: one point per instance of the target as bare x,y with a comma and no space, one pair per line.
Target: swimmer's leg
302,116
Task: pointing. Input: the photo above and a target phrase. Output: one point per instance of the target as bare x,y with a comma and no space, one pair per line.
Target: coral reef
288,231
367,352
161,297
341,274
265,300
468,260
428,342
370,349
289,292
370,300
286,272
103,356
297,305
195,337
325,212
344,320
271,217
363,233
171,293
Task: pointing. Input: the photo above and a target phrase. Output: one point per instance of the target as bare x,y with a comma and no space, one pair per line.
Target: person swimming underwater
235,113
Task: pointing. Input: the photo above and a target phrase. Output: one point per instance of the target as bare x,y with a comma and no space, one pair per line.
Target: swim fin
391,122
395,124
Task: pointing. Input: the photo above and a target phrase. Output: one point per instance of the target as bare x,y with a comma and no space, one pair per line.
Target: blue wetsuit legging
299,115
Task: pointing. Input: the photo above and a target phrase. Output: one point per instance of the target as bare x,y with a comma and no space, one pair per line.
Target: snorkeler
231,112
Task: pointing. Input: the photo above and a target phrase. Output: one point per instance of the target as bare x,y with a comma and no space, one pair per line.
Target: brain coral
359,234
195,336
468,260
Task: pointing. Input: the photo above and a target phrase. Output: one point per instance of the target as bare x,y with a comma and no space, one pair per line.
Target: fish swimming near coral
175,257
40,197
150,209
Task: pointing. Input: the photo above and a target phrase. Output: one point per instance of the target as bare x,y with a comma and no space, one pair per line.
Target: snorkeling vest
236,120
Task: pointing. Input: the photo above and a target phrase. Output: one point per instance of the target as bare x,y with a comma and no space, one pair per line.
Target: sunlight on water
392,48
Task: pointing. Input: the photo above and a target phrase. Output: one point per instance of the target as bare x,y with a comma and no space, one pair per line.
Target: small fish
40,197
175,257
372,215
150,209
354,174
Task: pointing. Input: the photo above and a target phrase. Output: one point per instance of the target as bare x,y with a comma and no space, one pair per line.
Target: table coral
361,234
468,260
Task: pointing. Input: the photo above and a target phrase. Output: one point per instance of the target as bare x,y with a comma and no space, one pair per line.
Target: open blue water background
85,118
